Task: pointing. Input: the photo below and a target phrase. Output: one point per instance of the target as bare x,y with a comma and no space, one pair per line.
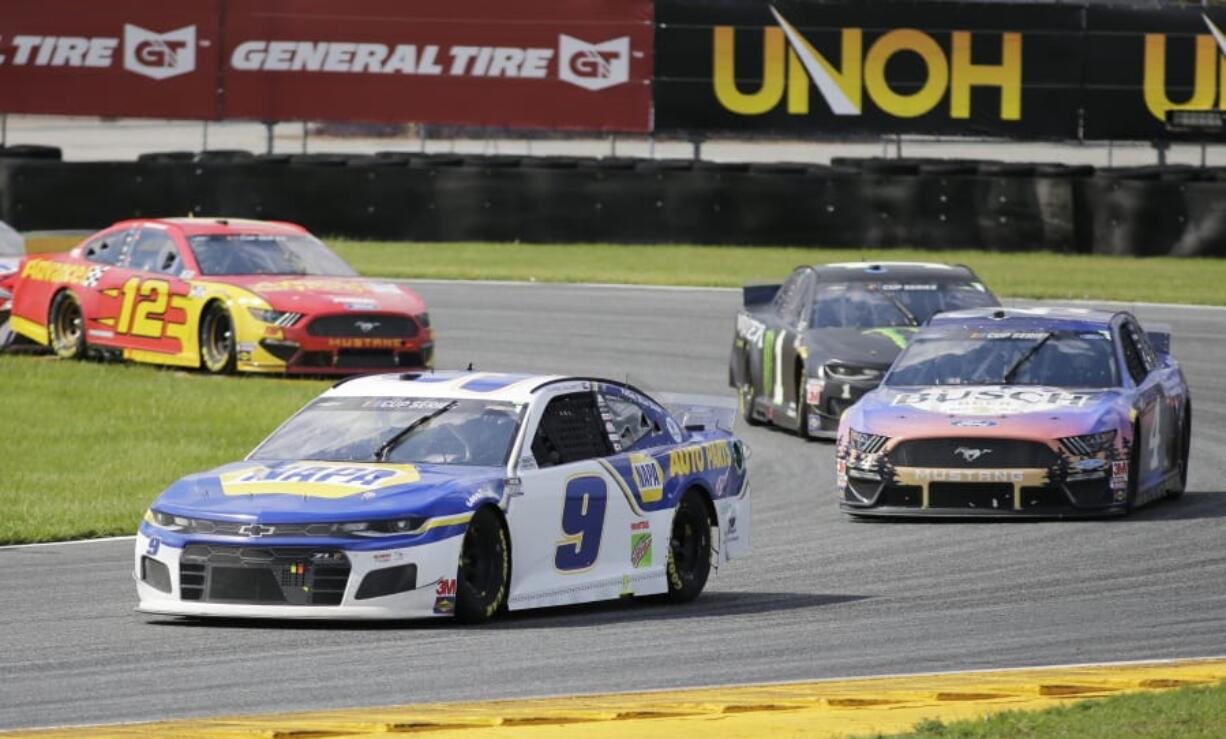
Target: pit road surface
820,595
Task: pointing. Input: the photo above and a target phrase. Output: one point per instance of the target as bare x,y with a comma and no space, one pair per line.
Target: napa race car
806,350
454,494
222,294
1020,412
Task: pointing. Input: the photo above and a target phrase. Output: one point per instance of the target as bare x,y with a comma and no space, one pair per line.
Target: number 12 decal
134,314
583,511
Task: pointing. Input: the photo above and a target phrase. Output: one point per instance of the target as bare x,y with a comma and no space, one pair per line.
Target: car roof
509,387
1056,318
901,271
206,226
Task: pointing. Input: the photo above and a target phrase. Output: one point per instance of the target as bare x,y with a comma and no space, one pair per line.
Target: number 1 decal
587,498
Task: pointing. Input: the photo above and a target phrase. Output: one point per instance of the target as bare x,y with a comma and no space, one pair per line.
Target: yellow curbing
827,708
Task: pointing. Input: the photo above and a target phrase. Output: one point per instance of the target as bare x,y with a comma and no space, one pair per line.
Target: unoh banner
1142,63
791,67
569,64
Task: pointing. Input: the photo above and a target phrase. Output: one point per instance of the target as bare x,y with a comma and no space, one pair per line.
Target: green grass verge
1029,275
86,447
1185,713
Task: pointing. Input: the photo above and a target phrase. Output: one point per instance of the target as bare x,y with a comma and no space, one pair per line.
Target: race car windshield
1081,359
880,304
266,254
472,433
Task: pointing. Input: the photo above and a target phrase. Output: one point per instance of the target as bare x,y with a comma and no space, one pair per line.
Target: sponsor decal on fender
713,455
640,550
648,477
444,597
316,479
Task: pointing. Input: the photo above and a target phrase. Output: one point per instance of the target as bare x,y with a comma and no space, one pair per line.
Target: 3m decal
316,479
583,515
648,477
444,597
640,550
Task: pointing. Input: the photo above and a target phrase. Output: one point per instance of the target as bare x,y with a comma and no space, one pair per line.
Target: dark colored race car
806,350
1020,413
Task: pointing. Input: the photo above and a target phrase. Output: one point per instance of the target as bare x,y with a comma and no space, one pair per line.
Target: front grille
293,576
981,495
972,453
365,325
365,359
901,496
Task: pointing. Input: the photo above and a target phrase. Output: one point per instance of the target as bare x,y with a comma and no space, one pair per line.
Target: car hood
305,491
321,294
862,347
1018,411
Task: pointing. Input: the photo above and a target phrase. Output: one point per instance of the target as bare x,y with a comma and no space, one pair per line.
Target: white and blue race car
454,494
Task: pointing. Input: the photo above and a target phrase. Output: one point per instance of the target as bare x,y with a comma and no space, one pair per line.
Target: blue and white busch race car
454,494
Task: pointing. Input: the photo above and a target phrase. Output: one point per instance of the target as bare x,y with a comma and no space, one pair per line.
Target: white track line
70,541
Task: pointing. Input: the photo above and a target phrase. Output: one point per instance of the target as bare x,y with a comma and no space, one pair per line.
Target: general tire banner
559,64
543,64
793,67
139,58
1143,63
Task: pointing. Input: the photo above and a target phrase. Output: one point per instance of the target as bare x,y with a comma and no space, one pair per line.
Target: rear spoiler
754,295
701,412
1160,338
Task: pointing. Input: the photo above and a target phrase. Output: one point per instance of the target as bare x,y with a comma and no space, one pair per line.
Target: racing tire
1134,472
1185,449
66,326
217,346
484,576
689,549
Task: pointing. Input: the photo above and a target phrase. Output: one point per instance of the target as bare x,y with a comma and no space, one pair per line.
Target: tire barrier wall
852,203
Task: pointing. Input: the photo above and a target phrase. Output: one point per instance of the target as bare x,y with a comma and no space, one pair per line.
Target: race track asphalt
820,596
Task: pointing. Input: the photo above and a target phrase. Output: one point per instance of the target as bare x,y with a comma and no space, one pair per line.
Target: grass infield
87,446
1020,275
1185,713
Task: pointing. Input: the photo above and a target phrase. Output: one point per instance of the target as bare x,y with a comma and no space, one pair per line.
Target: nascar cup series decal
994,401
316,479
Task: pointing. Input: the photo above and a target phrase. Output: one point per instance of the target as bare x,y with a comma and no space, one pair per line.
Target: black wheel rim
685,544
218,338
481,559
68,325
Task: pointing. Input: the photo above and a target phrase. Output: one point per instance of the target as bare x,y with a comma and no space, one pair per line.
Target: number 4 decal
583,511
134,314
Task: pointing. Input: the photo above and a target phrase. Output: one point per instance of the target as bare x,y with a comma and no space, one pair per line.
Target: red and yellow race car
222,294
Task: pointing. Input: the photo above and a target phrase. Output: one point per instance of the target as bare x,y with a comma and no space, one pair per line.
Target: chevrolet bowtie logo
256,530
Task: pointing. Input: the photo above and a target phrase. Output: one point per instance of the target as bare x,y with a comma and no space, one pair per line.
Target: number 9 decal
583,512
